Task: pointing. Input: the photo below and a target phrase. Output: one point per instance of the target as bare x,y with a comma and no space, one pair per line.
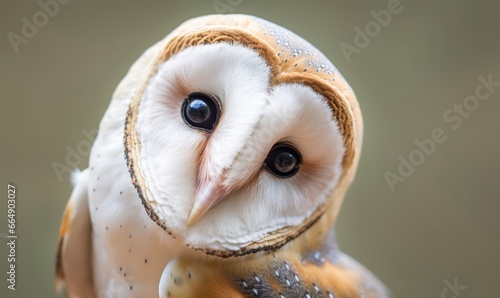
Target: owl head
239,135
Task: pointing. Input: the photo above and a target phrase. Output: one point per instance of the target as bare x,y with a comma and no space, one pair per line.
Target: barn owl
218,171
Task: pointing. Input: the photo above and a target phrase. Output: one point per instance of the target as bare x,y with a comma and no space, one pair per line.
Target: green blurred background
440,224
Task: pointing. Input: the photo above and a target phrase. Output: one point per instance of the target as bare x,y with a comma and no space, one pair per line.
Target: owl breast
130,250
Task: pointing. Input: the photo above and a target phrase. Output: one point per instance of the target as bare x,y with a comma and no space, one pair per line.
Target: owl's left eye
201,111
283,161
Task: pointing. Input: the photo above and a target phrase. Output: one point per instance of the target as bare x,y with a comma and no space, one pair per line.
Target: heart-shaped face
241,136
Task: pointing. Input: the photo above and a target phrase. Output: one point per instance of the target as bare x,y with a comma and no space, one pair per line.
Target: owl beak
206,196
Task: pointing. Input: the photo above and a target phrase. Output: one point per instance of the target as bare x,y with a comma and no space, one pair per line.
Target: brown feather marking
63,230
189,278
287,274
342,282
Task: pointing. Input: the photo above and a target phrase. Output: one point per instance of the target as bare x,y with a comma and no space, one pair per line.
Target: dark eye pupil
200,111
283,161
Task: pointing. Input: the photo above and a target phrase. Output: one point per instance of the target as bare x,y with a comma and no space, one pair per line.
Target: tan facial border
282,71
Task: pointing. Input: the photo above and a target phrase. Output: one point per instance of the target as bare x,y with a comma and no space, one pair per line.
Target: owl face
229,152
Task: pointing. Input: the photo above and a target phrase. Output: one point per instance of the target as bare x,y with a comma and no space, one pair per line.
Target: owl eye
283,161
200,111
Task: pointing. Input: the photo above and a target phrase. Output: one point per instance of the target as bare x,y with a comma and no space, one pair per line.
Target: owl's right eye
200,111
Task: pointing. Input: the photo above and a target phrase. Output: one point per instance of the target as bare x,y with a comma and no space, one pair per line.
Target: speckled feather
322,273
